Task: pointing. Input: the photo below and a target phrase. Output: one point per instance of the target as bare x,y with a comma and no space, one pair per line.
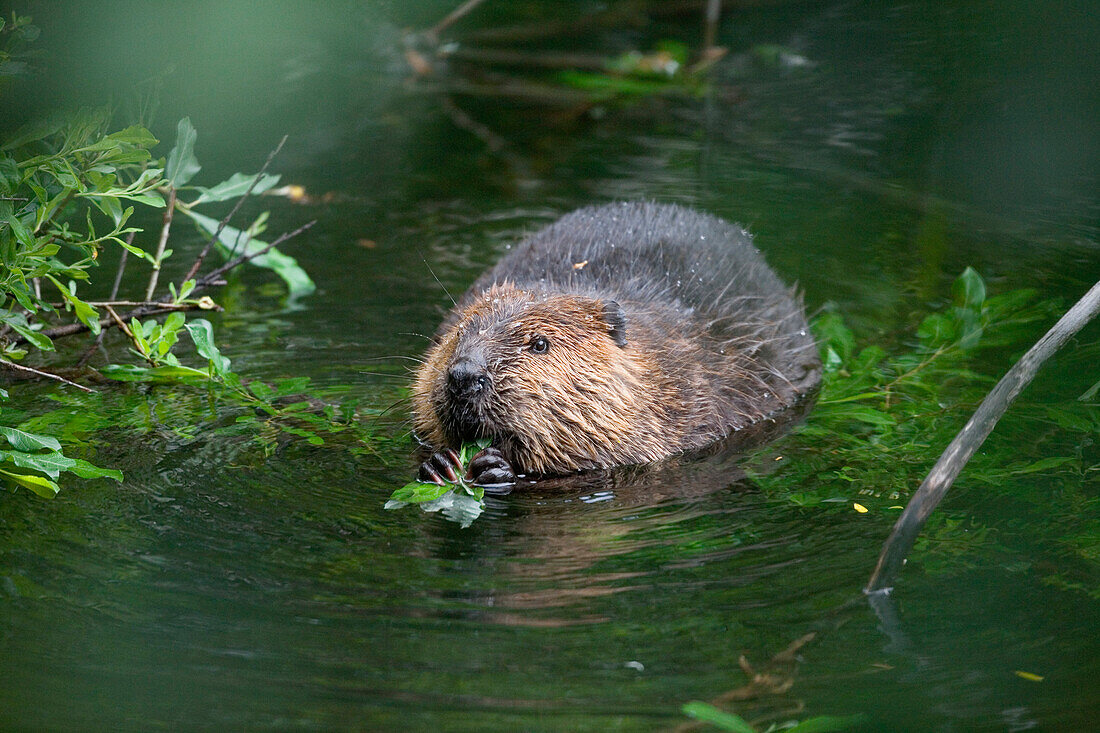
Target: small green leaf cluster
269,410
68,189
460,501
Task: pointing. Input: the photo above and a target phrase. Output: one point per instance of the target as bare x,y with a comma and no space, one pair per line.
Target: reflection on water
218,588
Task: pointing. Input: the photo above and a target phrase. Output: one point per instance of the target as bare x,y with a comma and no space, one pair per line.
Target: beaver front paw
440,468
491,469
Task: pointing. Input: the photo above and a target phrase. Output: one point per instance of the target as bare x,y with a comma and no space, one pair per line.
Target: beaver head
551,379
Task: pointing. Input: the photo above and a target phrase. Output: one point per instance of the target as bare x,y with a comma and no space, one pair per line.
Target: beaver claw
440,467
490,468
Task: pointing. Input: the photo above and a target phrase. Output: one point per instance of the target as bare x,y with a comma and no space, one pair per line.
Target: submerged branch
970,438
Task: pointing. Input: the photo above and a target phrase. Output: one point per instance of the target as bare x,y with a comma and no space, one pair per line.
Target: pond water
885,148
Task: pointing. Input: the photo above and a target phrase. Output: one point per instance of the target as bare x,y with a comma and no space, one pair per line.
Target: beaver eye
540,345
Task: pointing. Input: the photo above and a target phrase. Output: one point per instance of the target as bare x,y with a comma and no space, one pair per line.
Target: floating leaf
827,724
1029,676
134,373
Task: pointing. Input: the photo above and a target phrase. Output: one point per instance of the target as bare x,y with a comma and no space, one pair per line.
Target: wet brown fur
684,376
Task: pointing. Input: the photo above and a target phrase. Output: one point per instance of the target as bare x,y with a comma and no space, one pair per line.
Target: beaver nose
466,378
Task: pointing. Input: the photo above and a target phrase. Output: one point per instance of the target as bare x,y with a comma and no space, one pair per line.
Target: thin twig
971,437
86,357
713,13
165,226
209,277
134,303
39,372
121,266
121,324
452,17
163,305
225,222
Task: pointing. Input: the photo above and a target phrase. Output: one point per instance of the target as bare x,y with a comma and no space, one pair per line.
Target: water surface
218,588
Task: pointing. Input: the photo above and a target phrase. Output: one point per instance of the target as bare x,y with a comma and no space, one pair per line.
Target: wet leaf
39,485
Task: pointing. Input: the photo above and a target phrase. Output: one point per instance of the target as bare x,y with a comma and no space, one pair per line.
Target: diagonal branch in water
971,437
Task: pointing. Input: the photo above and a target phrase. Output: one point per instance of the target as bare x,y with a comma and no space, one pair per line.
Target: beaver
620,334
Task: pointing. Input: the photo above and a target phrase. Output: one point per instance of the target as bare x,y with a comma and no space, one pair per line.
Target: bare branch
971,437
209,277
168,211
40,373
452,17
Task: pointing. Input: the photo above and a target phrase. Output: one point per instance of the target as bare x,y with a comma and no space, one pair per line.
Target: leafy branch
69,189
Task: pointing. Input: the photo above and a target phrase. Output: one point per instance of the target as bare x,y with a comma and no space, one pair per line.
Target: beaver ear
615,319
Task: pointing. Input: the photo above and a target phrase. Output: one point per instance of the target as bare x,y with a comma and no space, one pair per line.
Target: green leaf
19,324
718,718
52,464
862,413
182,164
10,177
1044,464
202,333
88,315
827,724
42,486
968,291
21,233
261,390
28,442
234,186
135,135
417,492
134,373
83,469
233,240
110,206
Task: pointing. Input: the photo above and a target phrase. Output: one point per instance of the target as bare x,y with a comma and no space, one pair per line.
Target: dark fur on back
684,297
